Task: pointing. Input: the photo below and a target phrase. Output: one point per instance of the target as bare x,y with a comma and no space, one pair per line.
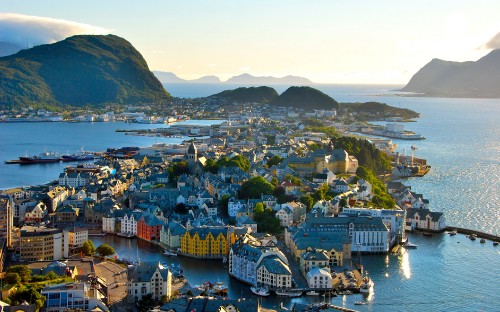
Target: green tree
105,250
307,200
88,248
224,204
180,208
275,160
22,270
29,294
268,222
293,179
255,187
259,208
343,202
12,278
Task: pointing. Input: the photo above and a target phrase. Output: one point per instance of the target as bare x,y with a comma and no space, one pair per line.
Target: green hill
371,110
248,95
306,98
78,71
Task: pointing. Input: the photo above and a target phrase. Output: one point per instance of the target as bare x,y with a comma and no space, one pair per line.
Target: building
40,243
149,226
6,219
246,255
394,220
319,278
149,279
274,273
316,258
424,219
67,214
74,239
210,242
73,297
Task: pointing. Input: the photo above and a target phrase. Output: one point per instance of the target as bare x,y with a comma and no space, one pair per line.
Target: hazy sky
326,41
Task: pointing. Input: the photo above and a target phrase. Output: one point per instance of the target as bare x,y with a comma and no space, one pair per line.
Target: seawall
480,234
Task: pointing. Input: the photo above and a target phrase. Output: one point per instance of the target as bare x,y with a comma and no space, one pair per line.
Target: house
297,208
246,221
149,226
315,258
319,278
285,215
205,242
340,186
170,234
35,214
149,279
424,219
274,273
67,214
234,205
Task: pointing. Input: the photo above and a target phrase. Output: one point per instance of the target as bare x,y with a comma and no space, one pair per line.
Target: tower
192,154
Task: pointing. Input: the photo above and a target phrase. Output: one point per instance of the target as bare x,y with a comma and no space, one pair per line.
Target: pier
479,234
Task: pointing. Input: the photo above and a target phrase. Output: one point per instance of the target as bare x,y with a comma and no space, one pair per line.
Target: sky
345,42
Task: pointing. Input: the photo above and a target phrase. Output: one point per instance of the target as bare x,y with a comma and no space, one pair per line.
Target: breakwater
480,234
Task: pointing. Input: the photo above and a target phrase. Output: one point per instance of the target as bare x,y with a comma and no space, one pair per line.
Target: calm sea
444,274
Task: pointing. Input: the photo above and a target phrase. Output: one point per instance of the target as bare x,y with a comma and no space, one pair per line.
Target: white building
108,224
129,223
285,215
73,296
74,179
274,273
235,205
149,279
73,240
424,219
319,278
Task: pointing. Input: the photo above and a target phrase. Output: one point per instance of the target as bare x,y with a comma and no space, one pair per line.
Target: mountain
247,95
78,71
243,79
368,110
7,48
168,77
249,79
305,97
440,78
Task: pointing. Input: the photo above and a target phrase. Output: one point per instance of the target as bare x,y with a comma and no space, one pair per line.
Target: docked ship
79,156
366,285
45,157
260,291
288,293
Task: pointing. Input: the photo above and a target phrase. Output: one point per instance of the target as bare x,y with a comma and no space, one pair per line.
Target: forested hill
78,71
247,95
305,97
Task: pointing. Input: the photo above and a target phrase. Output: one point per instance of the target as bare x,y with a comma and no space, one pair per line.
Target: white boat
359,303
473,237
366,285
127,235
260,291
312,293
454,232
169,253
288,293
409,245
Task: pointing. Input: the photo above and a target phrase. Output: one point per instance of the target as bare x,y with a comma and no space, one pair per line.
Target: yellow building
210,242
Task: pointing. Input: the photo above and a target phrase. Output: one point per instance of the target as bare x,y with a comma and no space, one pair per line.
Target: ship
45,157
79,156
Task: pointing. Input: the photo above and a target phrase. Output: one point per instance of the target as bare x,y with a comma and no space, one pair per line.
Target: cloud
27,31
493,43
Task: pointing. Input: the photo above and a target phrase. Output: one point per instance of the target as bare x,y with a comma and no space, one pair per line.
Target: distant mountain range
244,79
479,79
78,71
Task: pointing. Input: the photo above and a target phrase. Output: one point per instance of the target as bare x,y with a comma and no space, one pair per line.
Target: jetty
479,234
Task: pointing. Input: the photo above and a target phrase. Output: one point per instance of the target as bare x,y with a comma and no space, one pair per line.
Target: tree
293,179
343,202
12,278
224,204
307,200
22,270
180,208
259,208
275,160
105,250
255,187
88,248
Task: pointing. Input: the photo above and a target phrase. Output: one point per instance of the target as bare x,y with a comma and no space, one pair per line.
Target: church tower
192,154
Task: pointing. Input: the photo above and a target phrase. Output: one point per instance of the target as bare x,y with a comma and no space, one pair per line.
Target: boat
79,156
454,232
495,243
260,291
169,253
409,245
288,293
359,303
126,235
312,293
482,241
219,288
366,285
427,234
45,157
473,237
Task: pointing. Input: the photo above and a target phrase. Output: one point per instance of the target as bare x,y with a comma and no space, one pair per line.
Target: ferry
219,288
312,293
260,291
